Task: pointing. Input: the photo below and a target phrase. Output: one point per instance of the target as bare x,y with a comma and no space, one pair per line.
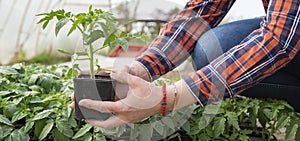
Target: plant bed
86,88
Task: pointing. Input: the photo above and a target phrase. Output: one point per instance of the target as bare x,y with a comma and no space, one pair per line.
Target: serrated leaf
94,36
48,127
186,127
204,121
168,122
212,109
123,42
282,121
290,131
61,23
83,130
219,126
5,120
233,119
42,114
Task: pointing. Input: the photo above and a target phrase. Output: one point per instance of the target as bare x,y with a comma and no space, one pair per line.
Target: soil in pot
101,88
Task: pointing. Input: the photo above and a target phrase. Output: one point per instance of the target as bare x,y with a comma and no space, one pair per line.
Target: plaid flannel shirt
259,55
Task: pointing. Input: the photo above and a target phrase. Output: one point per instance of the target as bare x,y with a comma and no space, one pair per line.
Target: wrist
138,70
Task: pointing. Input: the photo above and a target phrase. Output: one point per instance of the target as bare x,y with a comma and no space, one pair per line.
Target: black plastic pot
101,88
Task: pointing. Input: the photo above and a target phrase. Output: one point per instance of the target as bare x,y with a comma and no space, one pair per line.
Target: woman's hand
142,100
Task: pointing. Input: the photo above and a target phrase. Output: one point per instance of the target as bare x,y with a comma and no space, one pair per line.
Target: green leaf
168,122
233,119
297,137
146,132
5,131
64,128
94,36
290,131
1,133
268,113
64,52
82,53
82,131
186,127
8,70
61,23
46,129
74,25
282,121
123,42
33,79
86,137
38,127
18,135
29,124
5,120
219,126
4,93
18,115
203,137
99,137
58,136
212,109
204,121
158,126
42,114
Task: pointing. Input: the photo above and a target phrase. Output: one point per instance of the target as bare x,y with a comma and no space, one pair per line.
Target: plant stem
165,133
91,61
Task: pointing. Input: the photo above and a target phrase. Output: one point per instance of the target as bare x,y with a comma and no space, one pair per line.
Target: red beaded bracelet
164,100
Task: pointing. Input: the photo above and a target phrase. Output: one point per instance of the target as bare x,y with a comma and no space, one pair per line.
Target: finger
107,124
127,78
72,105
103,106
73,97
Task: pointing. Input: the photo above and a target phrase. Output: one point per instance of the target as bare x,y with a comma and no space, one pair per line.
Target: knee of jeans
207,49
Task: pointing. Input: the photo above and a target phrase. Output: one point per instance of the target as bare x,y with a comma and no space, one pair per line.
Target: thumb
123,76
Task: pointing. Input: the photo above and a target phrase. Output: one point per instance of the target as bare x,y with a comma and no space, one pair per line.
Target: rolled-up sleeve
177,38
259,55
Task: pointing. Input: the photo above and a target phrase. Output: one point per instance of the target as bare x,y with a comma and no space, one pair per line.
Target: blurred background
21,39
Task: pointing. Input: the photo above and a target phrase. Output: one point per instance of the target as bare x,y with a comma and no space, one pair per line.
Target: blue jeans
284,84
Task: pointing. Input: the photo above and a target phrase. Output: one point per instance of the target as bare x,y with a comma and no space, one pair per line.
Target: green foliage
239,118
35,98
34,103
93,25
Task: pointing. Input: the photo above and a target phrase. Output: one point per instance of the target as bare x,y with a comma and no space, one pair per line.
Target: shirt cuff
195,91
155,63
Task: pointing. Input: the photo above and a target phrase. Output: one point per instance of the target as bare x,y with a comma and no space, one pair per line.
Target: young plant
94,25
